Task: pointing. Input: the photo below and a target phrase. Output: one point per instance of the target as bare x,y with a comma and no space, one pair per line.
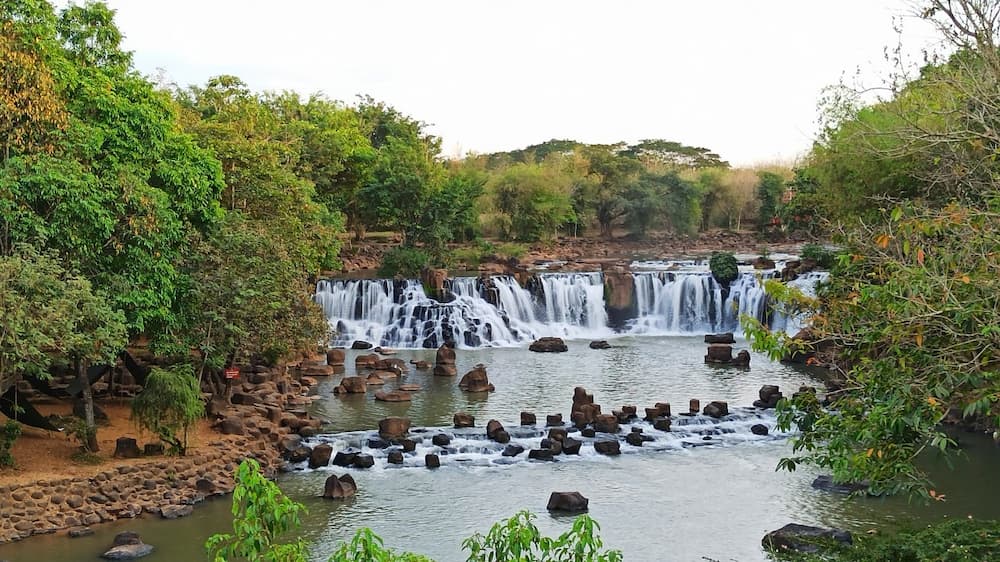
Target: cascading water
500,312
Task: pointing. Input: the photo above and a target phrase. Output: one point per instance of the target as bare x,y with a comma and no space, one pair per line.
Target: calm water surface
678,503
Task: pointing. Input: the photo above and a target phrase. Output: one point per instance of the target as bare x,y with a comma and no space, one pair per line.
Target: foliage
534,200
806,212
610,173
957,540
403,261
823,256
261,514
519,539
169,403
9,433
769,190
366,546
724,267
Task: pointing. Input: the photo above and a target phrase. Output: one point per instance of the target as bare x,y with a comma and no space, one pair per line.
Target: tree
609,175
519,539
169,403
770,188
659,152
534,200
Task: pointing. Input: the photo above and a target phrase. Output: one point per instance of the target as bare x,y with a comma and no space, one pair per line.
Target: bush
823,256
403,261
724,267
168,404
9,433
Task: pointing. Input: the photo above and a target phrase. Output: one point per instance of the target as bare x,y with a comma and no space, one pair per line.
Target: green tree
534,199
770,187
519,539
169,403
610,174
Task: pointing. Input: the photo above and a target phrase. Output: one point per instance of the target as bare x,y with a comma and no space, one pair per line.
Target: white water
398,314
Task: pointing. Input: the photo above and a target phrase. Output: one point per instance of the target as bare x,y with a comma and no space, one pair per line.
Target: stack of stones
720,351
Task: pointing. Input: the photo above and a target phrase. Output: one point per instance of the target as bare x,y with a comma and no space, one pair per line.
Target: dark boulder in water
600,344
541,455
802,538
462,419
571,446
339,487
361,344
716,409
527,418
432,460
512,450
826,483
759,429
608,447
441,440
572,502
726,337
548,345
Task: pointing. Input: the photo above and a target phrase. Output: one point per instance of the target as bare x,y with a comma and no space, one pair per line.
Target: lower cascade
497,311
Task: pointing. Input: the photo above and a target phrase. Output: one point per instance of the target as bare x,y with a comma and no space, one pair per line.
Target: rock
408,445
548,345
441,440
600,344
393,396
445,370
719,353
445,356
421,365
335,357
608,447
759,429
553,420
694,406
232,426
661,423
634,439
432,461
462,419
393,428
769,396
492,427
541,455
572,502
588,432
374,380
76,532
571,446
476,381
619,291
826,483
289,442
726,338
361,344
368,361
320,455
298,455
378,443
512,450
606,423
352,385
527,418
742,359
345,457
244,399
763,263
434,280
128,551
501,437
409,387
558,433
397,366
339,487
176,511
716,409
802,538
364,461
126,448
152,449
394,457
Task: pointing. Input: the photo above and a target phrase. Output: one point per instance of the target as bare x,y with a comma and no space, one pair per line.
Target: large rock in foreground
548,345
572,502
476,380
393,428
802,538
339,487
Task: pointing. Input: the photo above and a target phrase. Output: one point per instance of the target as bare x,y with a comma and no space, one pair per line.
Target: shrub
168,404
519,539
9,433
823,256
724,267
403,261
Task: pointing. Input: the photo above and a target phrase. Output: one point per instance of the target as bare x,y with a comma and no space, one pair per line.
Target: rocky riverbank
266,407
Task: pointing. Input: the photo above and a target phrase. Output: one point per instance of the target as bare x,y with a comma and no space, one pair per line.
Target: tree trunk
88,405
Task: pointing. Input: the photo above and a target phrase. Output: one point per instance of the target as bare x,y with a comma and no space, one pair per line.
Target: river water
672,500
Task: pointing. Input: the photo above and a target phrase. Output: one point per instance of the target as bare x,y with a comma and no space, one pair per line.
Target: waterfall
500,312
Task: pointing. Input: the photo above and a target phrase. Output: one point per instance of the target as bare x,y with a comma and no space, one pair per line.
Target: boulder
409,387
445,356
571,446
364,461
445,370
501,436
758,429
802,538
297,455
662,423
320,455
588,432
600,344
397,366
374,380
548,345
619,293
608,447
492,427
541,455
826,483
558,433
352,385
432,461
378,443
176,511
361,344
335,357
606,423
127,546
719,353
694,406
763,263
527,418
408,445
726,338
126,448
394,457
553,420
462,419
339,487
634,439
232,426
152,449
716,409
393,396
476,381
421,365
366,361
769,396
572,502
512,450
441,440
434,280
742,359
393,428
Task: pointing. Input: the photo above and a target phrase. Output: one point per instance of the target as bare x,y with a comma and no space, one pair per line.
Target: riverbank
48,492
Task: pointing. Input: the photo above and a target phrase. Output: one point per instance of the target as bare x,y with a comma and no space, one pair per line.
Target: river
677,502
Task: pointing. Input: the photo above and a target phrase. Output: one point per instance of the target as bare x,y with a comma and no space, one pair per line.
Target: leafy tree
519,539
659,152
169,403
261,514
534,200
724,267
769,191
9,432
609,176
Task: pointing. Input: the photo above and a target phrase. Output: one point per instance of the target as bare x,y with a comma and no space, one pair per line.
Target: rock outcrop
548,345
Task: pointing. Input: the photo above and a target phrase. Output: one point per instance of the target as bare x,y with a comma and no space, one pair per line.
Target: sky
739,77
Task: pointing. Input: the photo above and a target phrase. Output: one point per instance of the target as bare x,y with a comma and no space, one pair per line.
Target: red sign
232,373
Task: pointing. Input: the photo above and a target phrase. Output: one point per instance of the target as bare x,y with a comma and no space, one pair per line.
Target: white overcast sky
739,77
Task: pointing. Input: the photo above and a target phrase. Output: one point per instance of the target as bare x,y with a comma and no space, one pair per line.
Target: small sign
232,373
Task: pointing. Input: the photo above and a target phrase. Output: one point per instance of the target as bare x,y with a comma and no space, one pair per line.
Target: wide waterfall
500,312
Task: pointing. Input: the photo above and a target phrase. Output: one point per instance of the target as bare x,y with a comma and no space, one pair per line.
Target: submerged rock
826,483
339,487
393,428
127,546
716,409
802,538
725,338
600,344
462,419
548,345
361,344
572,502
476,380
